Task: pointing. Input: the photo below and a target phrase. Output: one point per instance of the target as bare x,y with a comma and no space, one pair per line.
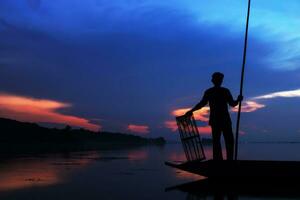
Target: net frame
190,138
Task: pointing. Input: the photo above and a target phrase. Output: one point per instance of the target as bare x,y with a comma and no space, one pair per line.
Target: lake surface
117,174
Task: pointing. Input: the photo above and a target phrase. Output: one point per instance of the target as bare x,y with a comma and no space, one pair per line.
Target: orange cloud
204,130
249,106
138,128
40,110
201,115
171,125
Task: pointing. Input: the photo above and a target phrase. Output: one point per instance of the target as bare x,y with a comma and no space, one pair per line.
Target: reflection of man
218,97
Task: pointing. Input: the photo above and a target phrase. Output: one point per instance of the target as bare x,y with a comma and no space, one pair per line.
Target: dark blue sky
127,64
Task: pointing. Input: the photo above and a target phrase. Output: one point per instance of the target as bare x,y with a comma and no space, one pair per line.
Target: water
120,174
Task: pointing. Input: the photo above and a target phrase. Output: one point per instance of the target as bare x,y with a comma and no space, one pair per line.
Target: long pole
242,82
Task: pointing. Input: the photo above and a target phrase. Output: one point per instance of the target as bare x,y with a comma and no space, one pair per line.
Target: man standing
218,98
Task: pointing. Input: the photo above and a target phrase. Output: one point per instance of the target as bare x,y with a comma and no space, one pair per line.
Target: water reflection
180,156
26,172
186,175
45,170
16,178
137,173
140,154
214,197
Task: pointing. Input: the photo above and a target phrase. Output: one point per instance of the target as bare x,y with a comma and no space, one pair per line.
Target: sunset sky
132,65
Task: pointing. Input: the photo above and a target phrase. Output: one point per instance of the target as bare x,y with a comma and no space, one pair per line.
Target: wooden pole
242,82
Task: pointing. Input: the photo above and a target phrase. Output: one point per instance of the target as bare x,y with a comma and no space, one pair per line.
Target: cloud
249,106
86,46
40,110
138,128
283,94
201,115
171,125
204,130
252,105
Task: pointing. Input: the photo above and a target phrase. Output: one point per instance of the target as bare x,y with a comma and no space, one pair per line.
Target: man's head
217,78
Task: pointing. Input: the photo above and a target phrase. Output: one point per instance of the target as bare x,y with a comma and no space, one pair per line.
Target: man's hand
189,113
240,98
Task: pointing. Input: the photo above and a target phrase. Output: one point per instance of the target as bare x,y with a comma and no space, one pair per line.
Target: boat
241,169
222,189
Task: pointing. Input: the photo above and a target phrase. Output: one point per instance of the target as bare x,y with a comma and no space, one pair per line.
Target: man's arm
233,102
201,104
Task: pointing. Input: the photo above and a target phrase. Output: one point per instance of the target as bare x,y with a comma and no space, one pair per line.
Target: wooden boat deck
241,168
259,188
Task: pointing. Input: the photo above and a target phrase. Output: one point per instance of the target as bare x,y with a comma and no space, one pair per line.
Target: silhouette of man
218,98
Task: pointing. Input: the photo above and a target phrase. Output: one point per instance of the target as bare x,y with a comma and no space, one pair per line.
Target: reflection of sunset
39,110
138,128
180,156
186,175
138,155
174,156
28,174
11,181
25,173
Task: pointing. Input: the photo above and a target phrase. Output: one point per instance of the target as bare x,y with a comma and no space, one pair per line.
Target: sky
132,65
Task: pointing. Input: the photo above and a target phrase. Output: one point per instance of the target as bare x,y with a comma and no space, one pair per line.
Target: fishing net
190,138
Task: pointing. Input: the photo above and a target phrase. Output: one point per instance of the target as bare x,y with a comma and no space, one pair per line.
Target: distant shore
21,137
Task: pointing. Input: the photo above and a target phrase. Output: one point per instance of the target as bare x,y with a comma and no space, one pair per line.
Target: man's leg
217,149
229,141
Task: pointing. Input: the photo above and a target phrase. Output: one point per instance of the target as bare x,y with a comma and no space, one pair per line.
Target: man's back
218,99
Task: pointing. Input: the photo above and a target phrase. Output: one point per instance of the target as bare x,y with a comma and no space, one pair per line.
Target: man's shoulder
225,89
212,89
209,90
